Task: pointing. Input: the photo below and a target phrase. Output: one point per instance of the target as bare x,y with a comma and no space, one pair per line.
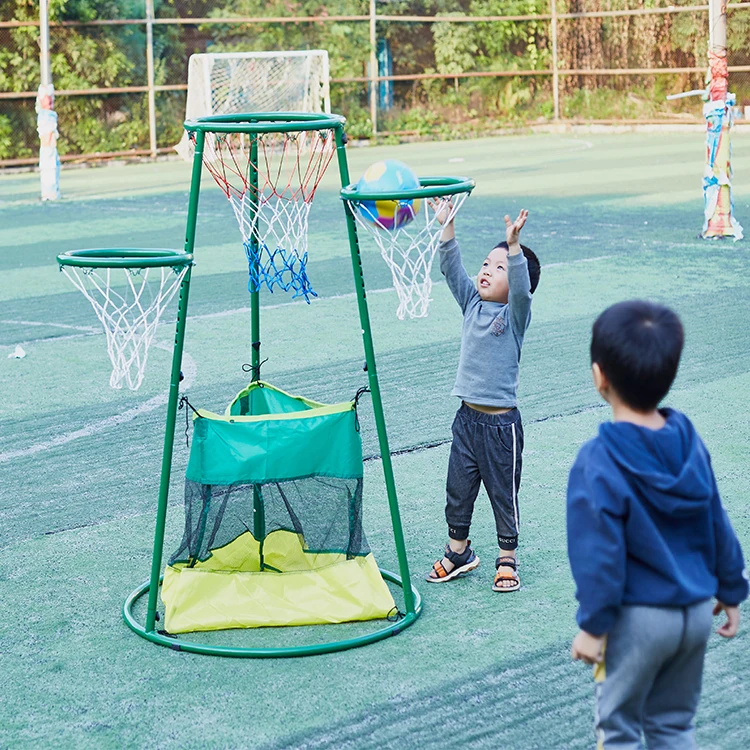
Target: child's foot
453,565
506,578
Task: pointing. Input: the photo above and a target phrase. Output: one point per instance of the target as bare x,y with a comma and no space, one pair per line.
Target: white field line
576,262
189,371
580,145
242,310
349,295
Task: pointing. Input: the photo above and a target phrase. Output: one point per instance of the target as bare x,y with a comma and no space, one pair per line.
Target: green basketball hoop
129,289
127,257
410,249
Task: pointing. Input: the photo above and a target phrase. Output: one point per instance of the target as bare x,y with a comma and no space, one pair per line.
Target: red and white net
270,180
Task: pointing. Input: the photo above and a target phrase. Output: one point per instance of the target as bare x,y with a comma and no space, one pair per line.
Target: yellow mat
229,591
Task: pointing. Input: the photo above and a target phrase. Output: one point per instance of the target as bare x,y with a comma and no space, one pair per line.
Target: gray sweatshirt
492,332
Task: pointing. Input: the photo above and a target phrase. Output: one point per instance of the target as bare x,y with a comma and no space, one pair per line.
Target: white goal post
238,82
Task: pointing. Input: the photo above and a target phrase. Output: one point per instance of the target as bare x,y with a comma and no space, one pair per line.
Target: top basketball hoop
269,165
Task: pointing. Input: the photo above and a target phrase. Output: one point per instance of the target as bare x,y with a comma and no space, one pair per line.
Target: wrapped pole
46,117
719,218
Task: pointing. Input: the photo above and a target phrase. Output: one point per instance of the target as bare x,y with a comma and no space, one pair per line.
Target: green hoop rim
265,122
125,257
178,644
431,187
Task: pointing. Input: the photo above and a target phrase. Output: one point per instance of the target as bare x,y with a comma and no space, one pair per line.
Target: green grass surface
611,217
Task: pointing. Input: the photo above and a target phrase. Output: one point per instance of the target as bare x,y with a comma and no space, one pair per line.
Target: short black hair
535,267
637,345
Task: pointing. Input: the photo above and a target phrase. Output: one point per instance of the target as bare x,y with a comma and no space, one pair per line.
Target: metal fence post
555,74
150,76
373,70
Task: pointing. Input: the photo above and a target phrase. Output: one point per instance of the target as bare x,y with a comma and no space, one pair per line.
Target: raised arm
519,284
451,266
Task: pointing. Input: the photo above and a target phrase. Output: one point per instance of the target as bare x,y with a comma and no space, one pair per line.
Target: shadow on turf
540,701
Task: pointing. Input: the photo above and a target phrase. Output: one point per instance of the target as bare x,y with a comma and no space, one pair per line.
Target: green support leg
372,375
259,515
174,392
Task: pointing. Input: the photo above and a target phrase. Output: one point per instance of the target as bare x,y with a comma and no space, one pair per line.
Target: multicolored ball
389,176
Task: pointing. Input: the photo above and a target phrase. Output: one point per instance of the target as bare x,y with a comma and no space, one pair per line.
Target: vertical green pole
254,295
372,375
174,390
259,515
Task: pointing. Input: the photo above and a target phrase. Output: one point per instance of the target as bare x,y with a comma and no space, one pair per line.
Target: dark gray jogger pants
486,448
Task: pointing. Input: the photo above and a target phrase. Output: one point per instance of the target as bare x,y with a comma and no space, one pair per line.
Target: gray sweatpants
486,448
650,681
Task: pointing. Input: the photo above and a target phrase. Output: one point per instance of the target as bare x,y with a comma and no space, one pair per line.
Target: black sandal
463,563
506,562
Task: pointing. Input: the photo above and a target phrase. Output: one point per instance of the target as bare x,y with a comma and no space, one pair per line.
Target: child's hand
586,647
442,208
513,228
730,627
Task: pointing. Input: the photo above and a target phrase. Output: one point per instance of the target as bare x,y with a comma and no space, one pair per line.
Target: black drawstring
357,396
255,369
395,615
183,401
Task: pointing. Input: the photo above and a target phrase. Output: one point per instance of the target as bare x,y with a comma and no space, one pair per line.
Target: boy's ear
601,382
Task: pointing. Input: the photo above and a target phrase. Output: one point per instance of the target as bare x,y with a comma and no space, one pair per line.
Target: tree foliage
85,57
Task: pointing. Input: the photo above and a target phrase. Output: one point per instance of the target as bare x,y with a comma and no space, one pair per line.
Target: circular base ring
178,644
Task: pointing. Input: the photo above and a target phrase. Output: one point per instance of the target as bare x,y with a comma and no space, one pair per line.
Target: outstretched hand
513,228
443,207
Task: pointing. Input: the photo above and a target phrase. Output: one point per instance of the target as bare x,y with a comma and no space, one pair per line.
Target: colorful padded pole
719,220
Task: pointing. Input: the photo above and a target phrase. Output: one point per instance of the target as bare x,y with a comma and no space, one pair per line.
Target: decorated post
46,117
719,220
46,125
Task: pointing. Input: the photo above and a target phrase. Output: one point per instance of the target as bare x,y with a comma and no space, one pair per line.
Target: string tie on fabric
181,405
255,369
357,396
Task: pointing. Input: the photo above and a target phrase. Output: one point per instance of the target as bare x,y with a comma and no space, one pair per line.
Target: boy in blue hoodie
649,540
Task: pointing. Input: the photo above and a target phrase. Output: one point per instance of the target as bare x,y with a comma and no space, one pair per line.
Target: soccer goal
228,83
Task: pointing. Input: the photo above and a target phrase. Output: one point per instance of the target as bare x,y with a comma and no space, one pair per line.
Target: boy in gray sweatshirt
487,431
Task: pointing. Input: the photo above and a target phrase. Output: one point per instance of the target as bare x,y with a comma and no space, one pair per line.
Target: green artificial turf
611,217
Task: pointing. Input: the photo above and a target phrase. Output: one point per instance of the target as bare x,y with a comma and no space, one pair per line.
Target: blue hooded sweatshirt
646,524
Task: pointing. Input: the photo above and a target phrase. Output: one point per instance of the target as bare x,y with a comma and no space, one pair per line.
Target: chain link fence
462,72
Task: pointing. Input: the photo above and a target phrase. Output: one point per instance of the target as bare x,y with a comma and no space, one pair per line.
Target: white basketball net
129,312
409,252
272,217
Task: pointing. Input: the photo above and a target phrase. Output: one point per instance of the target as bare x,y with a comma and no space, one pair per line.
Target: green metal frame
124,257
254,124
265,122
430,187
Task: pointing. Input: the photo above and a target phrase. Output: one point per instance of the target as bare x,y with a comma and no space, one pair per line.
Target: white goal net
241,82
